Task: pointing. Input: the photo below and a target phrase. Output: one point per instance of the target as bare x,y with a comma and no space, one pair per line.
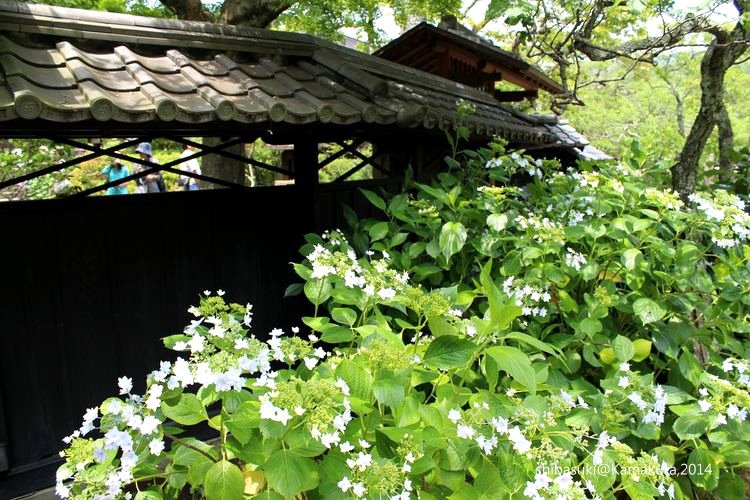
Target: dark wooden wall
88,287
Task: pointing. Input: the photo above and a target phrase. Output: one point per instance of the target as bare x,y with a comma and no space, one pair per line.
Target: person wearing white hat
151,182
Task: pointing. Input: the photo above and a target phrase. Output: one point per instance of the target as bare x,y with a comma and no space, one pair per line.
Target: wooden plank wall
88,287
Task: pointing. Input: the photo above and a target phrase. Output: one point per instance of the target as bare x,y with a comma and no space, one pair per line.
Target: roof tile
311,81
107,62
154,64
271,86
37,57
53,78
119,80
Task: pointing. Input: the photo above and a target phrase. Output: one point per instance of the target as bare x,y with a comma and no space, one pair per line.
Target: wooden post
305,164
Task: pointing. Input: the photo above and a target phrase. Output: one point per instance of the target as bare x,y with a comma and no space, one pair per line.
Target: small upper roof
106,74
428,40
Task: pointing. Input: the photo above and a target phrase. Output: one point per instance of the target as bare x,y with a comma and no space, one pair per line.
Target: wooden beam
515,95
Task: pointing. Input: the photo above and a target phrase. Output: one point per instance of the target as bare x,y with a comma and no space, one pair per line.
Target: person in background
192,166
153,182
114,172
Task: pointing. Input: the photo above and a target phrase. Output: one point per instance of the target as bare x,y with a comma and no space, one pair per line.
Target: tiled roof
459,36
82,68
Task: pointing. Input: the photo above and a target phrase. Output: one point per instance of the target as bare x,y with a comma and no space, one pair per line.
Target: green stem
317,297
186,445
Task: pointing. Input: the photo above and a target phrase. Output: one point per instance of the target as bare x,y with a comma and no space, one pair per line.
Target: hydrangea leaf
389,392
452,238
690,426
317,291
188,411
374,199
516,363
149,495
703,469
378,231
624,348
448,352
244,420
344,315
648,310
224,481
357,378
290,474
631,258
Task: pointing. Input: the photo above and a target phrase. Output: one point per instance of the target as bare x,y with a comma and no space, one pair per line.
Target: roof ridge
113,22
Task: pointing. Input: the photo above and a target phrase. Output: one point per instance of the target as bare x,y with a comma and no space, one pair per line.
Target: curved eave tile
32,101
7,106
298,112
190,108
248,110
128,107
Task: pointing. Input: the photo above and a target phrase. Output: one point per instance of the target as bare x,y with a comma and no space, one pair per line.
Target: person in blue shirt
114,172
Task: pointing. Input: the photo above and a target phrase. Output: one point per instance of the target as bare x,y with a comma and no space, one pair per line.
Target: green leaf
357,378
690,426
449,352
149,495
452,238
244,421
642,349
624,348
317,324
188,410
224,481
534,342
703,469
501,313
590,327
189,456
337,334
497,221
388,392
318,291
170,341
378,231
290,474
439,326
293,290
631,258
344,315
516,363
648,310
374,199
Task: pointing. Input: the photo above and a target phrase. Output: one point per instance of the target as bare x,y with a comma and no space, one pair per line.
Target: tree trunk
713,69
220,167
726,146
189,10
254,13
725,49
257,14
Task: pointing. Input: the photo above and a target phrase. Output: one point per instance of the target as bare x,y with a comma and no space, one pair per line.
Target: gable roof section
426,40
99,72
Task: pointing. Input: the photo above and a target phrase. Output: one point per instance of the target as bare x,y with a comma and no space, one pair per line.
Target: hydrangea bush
582,336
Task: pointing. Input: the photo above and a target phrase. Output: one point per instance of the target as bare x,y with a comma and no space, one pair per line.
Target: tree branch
670,38
189,10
